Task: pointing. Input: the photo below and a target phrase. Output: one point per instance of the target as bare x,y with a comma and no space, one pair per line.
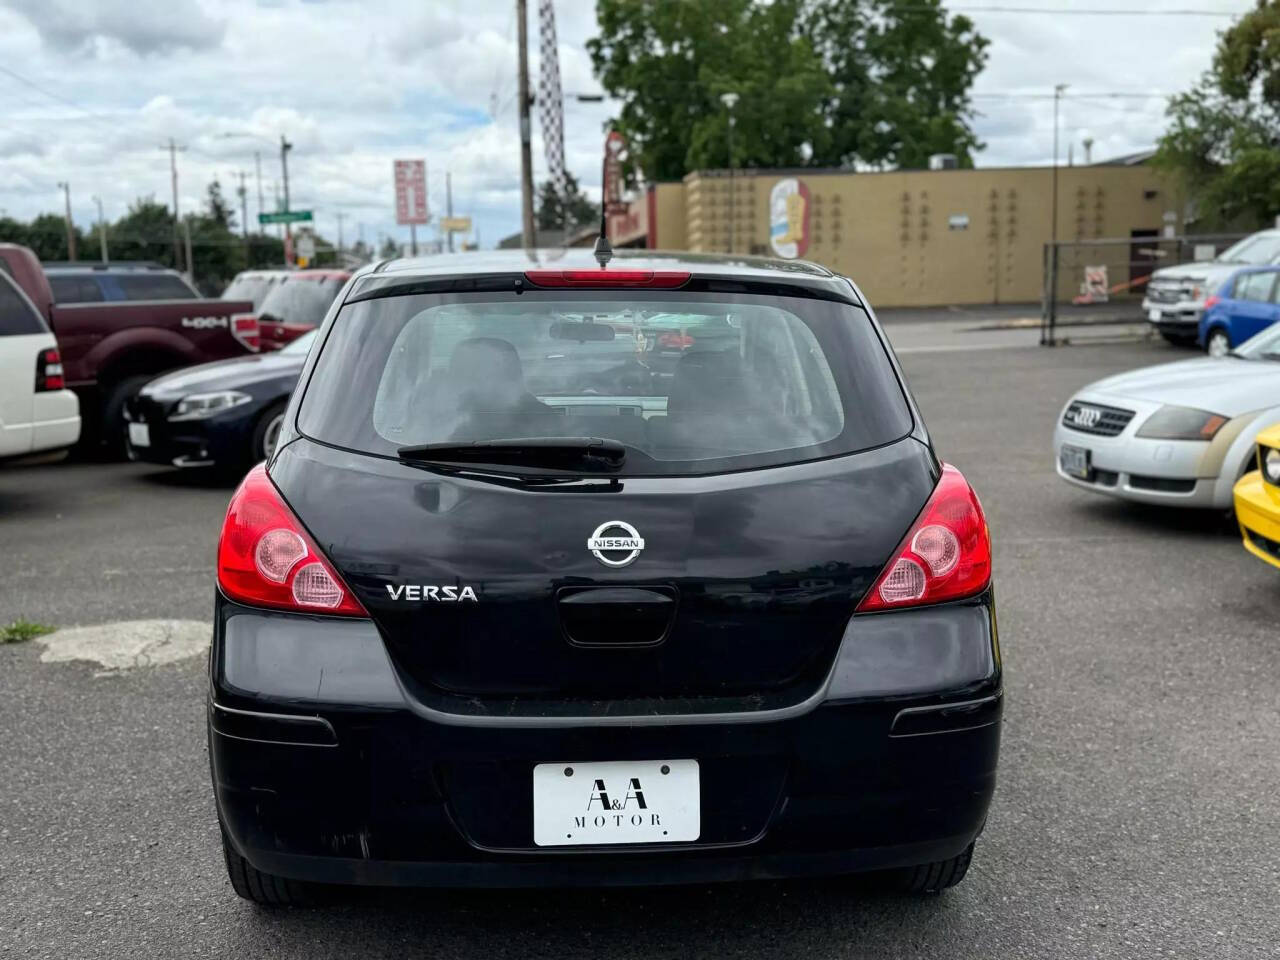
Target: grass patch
20,631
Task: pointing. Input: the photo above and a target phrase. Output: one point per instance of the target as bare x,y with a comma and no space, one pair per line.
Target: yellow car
1257,498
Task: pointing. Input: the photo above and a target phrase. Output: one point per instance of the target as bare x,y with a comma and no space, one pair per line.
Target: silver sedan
1178,434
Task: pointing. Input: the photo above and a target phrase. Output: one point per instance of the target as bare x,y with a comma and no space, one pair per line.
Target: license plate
1153,315
628,801
1075,461
140,434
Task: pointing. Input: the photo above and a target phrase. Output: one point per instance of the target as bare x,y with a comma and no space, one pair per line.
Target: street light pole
102,229
285,147
1057,99
730,100
71,233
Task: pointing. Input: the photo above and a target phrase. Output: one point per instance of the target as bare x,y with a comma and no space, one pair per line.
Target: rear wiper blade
563,453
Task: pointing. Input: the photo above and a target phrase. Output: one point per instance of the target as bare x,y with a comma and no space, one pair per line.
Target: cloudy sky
98,86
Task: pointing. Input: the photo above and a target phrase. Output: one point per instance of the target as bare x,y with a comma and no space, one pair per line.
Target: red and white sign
411,191
615,145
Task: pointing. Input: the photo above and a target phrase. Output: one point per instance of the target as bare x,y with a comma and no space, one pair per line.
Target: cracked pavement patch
129,644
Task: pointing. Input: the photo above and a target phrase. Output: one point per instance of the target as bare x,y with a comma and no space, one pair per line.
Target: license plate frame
645,804
139,434
1076,461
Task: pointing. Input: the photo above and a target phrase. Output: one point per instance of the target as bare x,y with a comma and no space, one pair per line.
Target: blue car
1247,303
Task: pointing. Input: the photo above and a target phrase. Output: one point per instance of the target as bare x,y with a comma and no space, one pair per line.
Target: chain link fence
1101,283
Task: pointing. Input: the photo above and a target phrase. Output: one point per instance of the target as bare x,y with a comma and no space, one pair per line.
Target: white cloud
142,26
355,84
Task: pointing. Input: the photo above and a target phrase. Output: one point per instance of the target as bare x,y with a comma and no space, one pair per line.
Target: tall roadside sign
411,197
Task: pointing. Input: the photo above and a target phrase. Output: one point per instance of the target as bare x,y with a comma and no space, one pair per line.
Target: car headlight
1271,464
199,406
1197,292
1181,423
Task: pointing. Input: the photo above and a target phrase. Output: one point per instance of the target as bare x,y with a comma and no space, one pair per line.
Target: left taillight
946,555
267,559
246,328
49,375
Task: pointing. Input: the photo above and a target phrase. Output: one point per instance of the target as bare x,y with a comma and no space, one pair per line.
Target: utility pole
244,205
730,100
71,230
1057,99
257,166
285,147
526,130
448,204
174,150
102,229
191,263
341,217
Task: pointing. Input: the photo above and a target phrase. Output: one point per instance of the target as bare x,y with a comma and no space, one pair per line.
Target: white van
37,412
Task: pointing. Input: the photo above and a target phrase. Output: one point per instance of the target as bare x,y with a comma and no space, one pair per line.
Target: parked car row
106,330
1203,432
1177,297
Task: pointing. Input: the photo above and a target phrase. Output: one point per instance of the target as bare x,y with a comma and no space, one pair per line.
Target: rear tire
261,888
931,878
1217,344
266,432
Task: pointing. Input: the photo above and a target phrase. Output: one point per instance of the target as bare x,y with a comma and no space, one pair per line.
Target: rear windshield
154,286
708,383
75,288
253,288
299,301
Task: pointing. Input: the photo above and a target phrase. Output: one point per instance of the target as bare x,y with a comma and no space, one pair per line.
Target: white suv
1176,295
37,412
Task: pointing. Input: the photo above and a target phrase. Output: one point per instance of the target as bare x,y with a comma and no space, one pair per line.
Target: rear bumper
325,770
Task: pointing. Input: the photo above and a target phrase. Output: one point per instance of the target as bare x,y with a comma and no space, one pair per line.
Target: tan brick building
913,238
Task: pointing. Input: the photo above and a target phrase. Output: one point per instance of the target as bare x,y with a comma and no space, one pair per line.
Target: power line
1078,11
53,96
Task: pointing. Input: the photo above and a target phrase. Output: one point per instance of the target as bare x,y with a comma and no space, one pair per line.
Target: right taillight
1212,302
266,558
246,329
946,555
49,375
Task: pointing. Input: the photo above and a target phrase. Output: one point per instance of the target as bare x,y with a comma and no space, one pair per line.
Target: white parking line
129,644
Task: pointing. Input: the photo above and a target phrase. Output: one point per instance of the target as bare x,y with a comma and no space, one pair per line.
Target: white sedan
37,412
1178,434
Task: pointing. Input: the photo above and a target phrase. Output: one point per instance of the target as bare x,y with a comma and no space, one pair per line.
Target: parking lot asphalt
1137,814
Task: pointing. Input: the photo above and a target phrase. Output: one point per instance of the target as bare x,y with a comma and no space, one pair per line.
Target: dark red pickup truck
111,347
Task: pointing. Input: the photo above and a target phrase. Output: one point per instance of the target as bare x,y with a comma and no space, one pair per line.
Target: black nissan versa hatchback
514,603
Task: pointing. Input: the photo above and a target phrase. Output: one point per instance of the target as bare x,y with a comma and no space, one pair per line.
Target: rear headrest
707,381
483,360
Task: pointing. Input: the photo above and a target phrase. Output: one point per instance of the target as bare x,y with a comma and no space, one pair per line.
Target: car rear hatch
702,532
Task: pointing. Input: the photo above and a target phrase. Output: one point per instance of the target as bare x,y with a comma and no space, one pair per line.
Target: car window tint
17,316
738,381
1255,286
75,288
298,301
154,286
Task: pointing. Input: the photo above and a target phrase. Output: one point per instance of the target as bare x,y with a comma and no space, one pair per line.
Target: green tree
145,232
47,236
902,72
217,206
669,61
13,231
1223,138
820,82
551,206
